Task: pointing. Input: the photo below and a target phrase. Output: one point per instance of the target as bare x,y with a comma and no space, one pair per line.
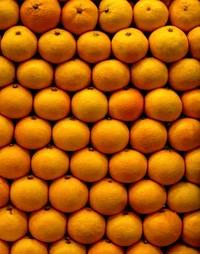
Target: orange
73,75
170,227
168,43
40,16
191,228
180,248
193,38
5,191
19,43
9,14
94,46
76,198
184,14
166,167
86,226
124,229
35,73
126,104
110,75
67,245
146,196
105,246
51,103
79,16
149,73
184,74
47,224
89,105
57,45
49,163
29,193
32,132
149,15
183,134
143,247
163,104
114,16
108,196
27,244
4,247
109,136
13,223
88,165
14,161
148,135
192,165
70,134
191,103
6,130
183,197
127,166
129,45
15,101
7,71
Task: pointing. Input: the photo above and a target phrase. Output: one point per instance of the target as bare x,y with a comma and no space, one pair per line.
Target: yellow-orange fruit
9,14
5,192
181,248
105,246
143,247
191,103
192,165
4,247
6,130
7,71
193,38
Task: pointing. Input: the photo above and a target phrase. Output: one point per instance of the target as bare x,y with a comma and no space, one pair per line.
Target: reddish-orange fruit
114,16
67,245
192,165
9,14
148,135
35,73
57,46
127,166
143,247
7,71
183,197
191,103
68,194
94,46
181,248
6,130
88,165
105,246
29,193
73,75
126,104
79,16
168,43
108,196
5,247
124,229
146,196
14,161
193,38
40,16
191,228
47,224
86,226
129,45
51,103
183,134
166,167
15,101
184,14
89,105
13,223
49,163
5,192
167,234
110,75
32,132
103,141
28,244
18,43
149,73
70,134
